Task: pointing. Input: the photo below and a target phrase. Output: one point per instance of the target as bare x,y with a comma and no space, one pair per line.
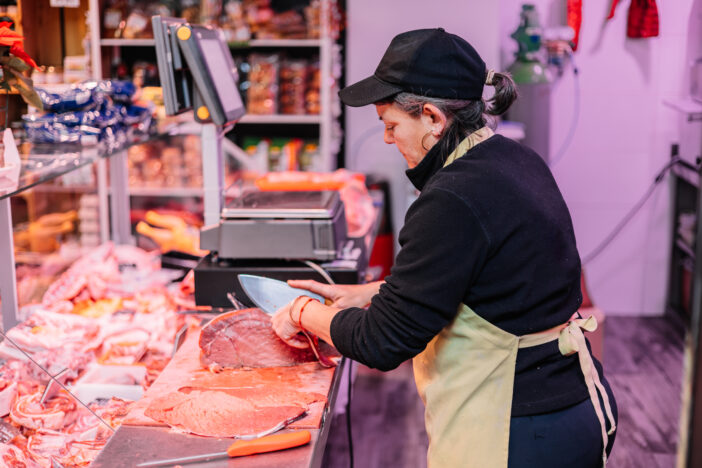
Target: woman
485,289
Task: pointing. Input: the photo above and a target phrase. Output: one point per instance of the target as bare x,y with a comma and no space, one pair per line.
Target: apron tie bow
570,341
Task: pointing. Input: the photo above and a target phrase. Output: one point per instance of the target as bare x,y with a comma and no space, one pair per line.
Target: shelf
276,43
686,249
280,119
234,45
693,109
128,42
689,176
184,192
41,163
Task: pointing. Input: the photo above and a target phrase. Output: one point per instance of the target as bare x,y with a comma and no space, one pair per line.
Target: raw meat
263,395
13,457
53,414
245,338
44,445
124,347
217,413
7,397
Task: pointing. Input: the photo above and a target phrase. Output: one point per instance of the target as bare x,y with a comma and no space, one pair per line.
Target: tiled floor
643,362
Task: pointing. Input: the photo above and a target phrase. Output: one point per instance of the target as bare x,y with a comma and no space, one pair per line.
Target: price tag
64,3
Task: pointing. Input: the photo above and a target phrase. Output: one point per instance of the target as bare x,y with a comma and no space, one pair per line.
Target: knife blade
241,448
270,294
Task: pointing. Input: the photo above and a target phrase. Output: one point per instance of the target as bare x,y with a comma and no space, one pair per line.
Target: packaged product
262,94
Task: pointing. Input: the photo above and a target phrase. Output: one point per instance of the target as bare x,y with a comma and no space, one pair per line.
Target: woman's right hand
341,295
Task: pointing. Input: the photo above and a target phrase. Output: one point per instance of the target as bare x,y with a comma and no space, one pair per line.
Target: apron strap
570,341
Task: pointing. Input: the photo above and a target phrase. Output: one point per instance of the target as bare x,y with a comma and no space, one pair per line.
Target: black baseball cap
427,62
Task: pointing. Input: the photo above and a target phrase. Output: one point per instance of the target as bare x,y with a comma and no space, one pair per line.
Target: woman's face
405,132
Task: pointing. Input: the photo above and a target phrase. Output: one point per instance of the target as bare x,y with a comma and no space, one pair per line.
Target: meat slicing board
185,370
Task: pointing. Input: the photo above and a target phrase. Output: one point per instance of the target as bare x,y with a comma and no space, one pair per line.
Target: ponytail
505,93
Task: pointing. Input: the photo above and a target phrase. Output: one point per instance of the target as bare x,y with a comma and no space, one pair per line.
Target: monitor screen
212,68
176,82
223,76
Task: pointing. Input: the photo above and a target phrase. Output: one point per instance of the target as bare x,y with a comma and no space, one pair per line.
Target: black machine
197,71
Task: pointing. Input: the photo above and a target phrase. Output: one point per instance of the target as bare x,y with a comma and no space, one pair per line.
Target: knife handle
269,443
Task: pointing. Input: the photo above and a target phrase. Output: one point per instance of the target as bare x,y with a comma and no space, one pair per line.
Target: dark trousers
567,438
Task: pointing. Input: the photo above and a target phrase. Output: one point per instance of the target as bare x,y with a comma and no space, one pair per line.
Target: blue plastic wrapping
78,98
88,113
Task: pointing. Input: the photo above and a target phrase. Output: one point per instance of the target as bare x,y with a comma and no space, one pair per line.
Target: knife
241,448
270,294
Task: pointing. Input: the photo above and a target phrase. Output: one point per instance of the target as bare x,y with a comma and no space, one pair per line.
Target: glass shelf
40,163
270,43
281,119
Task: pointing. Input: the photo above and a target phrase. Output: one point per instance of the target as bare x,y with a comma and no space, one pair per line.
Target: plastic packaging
76,98
262,95
293,83
88,113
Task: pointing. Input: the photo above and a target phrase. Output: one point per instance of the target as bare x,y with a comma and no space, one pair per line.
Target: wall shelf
128,42
280,119
686,249
276,43
184,192
688,106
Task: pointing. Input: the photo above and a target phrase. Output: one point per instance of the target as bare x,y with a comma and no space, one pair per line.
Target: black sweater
492,231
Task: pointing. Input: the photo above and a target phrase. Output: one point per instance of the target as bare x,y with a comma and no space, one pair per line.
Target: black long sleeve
491,231
425,286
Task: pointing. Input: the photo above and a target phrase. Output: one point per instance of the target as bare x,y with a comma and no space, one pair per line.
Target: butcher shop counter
140,440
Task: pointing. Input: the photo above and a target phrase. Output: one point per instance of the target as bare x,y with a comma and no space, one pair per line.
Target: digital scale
268,233
279,224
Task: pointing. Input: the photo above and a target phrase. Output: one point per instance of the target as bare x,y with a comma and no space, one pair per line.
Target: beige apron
465,377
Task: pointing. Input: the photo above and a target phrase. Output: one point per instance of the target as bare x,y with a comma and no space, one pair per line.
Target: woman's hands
285,323
342,295
317,317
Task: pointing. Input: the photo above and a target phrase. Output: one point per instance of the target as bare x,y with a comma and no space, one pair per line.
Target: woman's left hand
285,326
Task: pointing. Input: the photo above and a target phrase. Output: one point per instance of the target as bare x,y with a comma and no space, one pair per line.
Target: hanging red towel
642,20
575,18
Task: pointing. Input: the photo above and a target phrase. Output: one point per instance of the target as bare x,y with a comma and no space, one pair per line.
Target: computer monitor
176,82
199,71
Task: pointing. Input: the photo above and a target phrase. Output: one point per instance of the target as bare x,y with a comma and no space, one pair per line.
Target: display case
58,192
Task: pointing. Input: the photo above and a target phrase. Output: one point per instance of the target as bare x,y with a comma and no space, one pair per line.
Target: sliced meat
53,414
14,457
44,444
8,394
264,395
245,338
217,414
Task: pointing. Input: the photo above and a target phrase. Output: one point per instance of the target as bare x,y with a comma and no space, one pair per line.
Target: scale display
197,71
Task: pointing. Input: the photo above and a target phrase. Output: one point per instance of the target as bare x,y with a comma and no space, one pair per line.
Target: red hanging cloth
575,18
643,19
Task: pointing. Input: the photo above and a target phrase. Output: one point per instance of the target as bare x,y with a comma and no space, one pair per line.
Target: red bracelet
302,309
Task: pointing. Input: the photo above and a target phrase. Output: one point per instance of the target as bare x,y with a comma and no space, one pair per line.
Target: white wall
622,139
371,26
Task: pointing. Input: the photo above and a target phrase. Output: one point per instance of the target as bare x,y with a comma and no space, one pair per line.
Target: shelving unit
686,272
685,190
329,143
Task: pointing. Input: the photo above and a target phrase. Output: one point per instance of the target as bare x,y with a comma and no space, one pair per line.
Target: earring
423,138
